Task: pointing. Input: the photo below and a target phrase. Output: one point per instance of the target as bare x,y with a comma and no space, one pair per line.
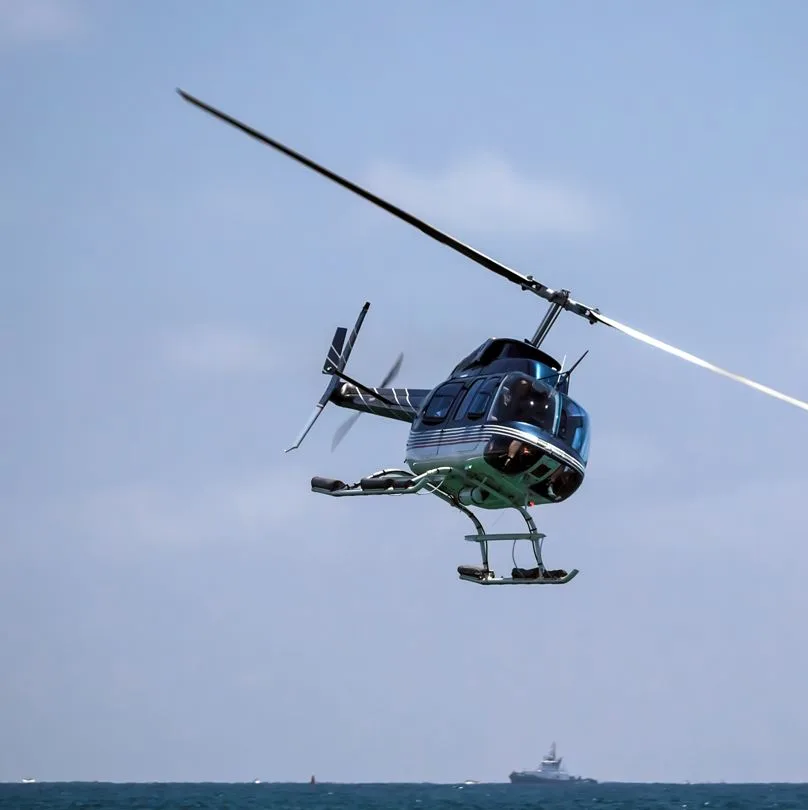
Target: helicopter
500,432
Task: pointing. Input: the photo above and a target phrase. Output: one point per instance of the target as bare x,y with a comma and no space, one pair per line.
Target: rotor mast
550,317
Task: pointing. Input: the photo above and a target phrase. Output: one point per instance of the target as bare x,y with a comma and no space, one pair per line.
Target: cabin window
480,399
524,400
463,407
440,402
477,399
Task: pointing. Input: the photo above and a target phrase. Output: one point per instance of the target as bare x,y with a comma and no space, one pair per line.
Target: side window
478,405
463,407
440,403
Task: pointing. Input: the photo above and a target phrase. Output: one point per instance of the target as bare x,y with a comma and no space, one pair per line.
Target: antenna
560,375
575,364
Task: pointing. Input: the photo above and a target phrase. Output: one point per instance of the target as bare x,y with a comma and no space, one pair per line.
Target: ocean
324,796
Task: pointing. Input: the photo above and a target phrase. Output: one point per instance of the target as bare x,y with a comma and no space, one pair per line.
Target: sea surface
204,796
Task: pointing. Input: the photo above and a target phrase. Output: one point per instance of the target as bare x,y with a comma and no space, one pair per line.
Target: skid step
479,575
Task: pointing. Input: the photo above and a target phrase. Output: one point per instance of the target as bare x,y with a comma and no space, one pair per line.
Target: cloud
484,193
219,351
28,21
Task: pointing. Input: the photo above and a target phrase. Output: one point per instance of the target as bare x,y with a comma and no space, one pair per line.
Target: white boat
548,772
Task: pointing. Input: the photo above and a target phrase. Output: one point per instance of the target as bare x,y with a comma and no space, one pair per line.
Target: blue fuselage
504,419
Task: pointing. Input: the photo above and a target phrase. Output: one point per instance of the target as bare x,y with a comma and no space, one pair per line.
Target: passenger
510,457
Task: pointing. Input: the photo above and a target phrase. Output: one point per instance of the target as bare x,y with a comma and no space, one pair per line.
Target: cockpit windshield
521,399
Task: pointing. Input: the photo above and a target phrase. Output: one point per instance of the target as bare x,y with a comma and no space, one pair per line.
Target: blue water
97,796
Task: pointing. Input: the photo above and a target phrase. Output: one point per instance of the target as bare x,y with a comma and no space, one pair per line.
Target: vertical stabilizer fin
335,362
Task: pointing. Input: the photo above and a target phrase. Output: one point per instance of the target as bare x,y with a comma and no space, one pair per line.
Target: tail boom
402,404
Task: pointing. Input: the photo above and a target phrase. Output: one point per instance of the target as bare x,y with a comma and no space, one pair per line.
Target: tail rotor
337,358
335,362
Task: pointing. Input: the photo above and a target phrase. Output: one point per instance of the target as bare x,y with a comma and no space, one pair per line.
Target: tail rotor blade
691,358
343,429
393,373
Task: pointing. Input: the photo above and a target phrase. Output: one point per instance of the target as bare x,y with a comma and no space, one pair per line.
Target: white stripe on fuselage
478,433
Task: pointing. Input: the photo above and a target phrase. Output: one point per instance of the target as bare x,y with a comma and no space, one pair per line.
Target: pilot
502,407
524,400
520,391
542,408
510,400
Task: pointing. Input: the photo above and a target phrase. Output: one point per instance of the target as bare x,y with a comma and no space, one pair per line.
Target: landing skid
403,482
483,575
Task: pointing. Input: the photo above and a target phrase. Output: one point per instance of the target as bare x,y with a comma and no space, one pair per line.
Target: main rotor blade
526,282
691,358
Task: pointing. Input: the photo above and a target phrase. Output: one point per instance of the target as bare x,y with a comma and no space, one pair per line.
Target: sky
175,603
